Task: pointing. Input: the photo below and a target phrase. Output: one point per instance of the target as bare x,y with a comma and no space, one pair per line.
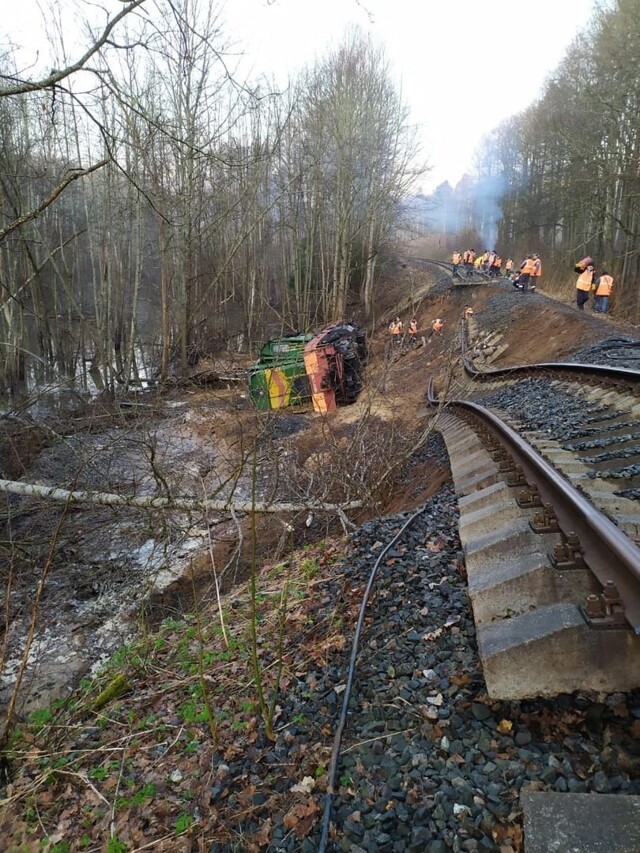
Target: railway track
459,281
546,464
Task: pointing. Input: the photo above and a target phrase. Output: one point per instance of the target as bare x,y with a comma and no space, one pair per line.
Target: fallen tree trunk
148,502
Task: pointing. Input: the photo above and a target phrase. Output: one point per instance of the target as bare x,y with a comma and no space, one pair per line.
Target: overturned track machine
325,369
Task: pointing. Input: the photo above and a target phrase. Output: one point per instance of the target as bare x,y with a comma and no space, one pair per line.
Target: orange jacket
437,325
585,280
526,266
413,327
456,258
605,285
395,327
537,268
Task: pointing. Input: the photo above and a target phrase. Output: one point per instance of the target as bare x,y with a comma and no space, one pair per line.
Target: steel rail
621,373
608,552
473,279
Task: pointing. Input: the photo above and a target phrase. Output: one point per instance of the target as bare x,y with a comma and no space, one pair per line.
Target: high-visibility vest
527,266
472,257
537,268
509,265
456,258
478,262
585,280
605,285
465,256
413,327
436,325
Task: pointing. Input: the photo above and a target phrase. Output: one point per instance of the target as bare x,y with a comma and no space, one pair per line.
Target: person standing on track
471,262
604,286
583,287
526,269
537,271
456,260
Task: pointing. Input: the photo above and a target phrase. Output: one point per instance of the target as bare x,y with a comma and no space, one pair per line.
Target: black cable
333,768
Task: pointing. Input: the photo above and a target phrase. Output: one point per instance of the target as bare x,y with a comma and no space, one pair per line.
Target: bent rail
602,370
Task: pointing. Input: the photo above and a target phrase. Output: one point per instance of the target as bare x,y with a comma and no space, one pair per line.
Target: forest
156,207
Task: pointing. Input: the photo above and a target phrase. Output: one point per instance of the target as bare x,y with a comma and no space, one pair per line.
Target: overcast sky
462,65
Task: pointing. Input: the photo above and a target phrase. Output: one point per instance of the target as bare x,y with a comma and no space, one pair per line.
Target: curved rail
602,370
608,552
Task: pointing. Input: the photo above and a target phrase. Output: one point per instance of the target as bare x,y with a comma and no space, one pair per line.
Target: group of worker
489,262
590,281
397,331
527,276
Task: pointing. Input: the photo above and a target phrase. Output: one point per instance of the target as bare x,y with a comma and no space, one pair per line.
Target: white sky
462,65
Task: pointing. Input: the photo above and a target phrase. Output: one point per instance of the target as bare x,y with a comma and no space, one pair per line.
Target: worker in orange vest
526,269
583,286
496,266
537,271
395,327
604,287
437,325
412,331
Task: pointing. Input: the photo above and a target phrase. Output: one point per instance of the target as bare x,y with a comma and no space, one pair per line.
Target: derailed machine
326,369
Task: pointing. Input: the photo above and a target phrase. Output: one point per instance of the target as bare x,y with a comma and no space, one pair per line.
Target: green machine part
279,379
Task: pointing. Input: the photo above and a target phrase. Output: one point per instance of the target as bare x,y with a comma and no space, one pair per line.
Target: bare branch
57,76
33,214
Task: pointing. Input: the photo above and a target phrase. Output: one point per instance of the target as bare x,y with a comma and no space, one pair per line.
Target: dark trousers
582,296
524,280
